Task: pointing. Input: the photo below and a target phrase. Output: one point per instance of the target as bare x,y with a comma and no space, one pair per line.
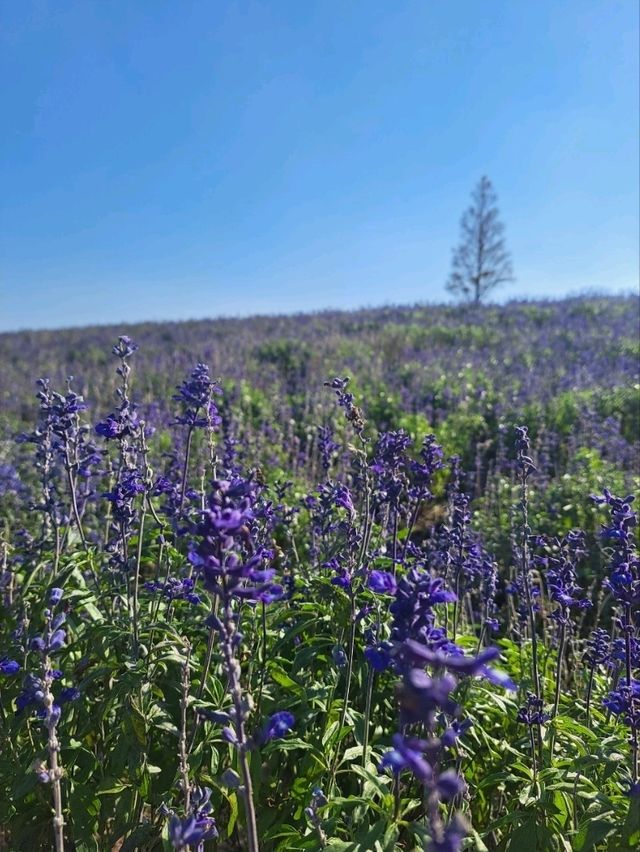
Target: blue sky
168,160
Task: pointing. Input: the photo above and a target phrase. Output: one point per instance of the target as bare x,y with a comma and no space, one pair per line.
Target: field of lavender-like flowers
346,581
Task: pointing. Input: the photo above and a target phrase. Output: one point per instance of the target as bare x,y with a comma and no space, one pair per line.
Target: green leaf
232,798
353,753
592,833
110,785
631,829
532,836
279,675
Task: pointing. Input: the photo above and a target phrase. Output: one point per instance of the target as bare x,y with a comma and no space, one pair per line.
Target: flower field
360,581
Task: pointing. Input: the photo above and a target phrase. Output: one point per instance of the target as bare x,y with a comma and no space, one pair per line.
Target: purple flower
342,576
278,725
9,667
339,656
624,577
455,662
451,840
57,640
191,831
175,589
449,785
343,499
195,399
422,697
561,577
598,648
532,712
407,754
55,596
125,347
326,445
69,693
417,593
379,658
624,701
382,582
346,401
272,593
109,428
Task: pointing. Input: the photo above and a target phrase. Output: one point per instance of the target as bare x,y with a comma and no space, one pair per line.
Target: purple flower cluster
225,554
424,700
175,589
123,497
346,400
624,577
423,470
624,584
326,446
195,397
124,422
532,712
191,832
562,579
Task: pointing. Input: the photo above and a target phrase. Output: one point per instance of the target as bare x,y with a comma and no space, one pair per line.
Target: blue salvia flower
461,664
412,610
561,577
189,833
423,699
379,656
618,653
624,584
175,589
488,570
123,497
234,569
124,422
598,648
423,471
195,396
339,656
169,489
326,445
47,462
532,712
318,800
198,826
277,726
224,553
382,583
125,347
624,576
9,667
346,401
624,701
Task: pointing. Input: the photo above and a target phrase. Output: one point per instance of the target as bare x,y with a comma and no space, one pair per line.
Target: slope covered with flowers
364,581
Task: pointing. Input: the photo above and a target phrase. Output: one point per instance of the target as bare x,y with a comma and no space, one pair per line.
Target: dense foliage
249,602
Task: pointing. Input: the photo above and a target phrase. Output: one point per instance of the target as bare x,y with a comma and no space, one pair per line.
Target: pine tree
481,262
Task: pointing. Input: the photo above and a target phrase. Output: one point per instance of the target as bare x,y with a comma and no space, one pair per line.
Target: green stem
345,703
367,715
136,584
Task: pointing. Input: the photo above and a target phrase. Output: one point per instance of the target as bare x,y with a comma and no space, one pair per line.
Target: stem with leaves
232,667
183,754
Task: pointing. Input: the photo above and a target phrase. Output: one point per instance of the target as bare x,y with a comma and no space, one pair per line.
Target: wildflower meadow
361,582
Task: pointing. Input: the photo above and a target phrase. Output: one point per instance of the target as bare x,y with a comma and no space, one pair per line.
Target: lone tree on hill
481,261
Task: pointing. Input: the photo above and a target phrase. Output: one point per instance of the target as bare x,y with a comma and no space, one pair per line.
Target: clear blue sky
167,160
